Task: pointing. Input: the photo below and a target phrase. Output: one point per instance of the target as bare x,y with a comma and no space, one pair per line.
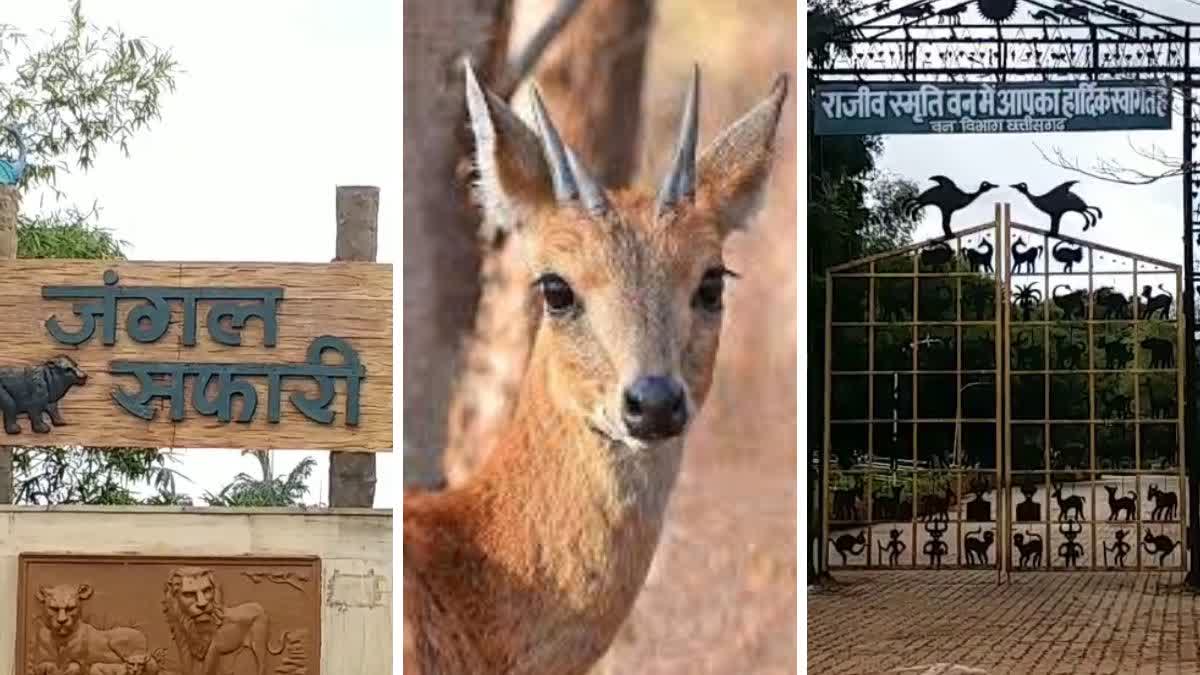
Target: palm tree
268,489
1027,298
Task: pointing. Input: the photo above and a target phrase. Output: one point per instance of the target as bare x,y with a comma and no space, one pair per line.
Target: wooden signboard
142,615
204,355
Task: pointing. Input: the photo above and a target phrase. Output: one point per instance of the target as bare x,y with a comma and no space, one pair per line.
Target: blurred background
721,595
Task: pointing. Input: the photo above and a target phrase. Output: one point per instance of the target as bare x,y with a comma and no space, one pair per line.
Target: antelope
531,565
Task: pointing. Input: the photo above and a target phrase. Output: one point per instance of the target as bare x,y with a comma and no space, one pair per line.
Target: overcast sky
280,101
1146,220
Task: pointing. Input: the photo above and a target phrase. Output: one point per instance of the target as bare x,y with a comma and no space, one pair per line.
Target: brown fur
532,565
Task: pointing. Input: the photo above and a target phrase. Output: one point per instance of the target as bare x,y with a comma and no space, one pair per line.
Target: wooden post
352,474
10,203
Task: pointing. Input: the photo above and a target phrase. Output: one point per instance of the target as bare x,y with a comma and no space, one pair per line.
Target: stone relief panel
142,615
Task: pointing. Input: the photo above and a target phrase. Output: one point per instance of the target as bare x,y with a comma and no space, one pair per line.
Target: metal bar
1180,415
956,461
1091,351
870,482
1101,247
1000,305
894,253
916,406
1187,345
1137,414
988,42
1004,379
1158,71
823,548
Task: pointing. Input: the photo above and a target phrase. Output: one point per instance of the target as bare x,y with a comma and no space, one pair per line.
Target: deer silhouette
1068,504
1118,504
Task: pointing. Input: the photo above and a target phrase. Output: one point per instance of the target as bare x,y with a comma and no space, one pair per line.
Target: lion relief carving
208,633
65,644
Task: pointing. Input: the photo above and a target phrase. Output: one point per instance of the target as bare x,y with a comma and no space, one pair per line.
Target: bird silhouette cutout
1059,202
12,170
948,197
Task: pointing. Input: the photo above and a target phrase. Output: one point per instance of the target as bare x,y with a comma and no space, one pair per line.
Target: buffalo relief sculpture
203,617
36,391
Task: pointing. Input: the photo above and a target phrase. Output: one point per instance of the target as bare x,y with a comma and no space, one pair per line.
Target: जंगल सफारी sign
861,109
167,355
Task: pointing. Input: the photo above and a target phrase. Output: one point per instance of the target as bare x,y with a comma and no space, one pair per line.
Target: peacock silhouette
948,197
1059,202
12,170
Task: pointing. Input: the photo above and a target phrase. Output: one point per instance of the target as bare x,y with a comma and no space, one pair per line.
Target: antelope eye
712,287
556,293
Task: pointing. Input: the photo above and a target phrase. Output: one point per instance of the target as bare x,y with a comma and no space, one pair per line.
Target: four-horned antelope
533,564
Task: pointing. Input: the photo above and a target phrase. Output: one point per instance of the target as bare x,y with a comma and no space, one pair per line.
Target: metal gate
1008,399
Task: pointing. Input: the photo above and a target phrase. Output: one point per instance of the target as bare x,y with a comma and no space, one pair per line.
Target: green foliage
45,475
68,233
268,489
86,88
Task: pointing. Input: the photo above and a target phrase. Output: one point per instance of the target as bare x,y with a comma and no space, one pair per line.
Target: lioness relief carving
137,615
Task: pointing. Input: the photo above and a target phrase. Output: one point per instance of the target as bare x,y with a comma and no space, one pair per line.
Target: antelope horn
571,181
680,182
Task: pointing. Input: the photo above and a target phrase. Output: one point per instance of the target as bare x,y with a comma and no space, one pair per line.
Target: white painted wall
355,547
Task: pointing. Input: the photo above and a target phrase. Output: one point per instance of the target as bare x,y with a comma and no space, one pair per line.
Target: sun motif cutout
997,10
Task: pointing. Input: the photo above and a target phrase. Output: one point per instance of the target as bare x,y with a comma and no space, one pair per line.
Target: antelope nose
655,408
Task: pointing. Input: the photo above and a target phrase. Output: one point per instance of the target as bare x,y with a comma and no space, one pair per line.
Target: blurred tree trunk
591,78
441,247
10,204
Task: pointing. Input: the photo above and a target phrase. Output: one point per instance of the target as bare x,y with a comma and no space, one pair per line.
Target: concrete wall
355,547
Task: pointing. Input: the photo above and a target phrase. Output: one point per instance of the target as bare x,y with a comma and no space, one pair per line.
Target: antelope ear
732,172
514,179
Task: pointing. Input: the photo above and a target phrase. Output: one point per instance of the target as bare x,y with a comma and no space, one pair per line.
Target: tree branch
1112,171
527,58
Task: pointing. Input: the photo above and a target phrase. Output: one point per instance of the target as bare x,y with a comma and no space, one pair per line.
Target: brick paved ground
928,622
